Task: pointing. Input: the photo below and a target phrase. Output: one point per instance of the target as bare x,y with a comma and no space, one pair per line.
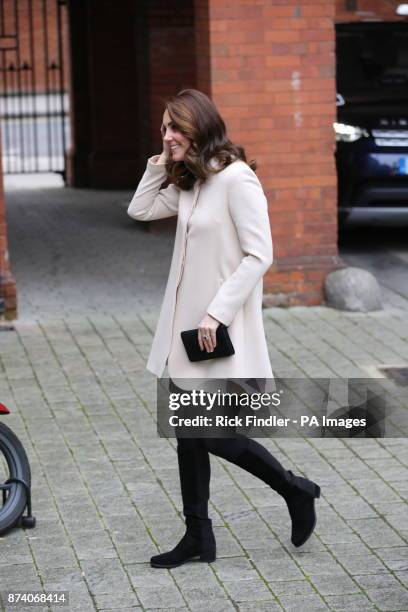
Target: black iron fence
34,102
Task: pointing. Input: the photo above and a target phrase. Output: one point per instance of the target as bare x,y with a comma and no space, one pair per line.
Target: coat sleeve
150,202
249,210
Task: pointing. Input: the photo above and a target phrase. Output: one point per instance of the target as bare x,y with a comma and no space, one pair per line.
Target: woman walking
223,247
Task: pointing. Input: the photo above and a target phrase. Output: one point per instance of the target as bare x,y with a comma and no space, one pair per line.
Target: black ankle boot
299,493
198,543
300,498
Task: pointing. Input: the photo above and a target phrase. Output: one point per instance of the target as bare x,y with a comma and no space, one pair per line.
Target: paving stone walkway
106,491
105,487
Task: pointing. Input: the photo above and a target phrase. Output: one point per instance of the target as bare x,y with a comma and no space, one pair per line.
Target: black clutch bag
224,346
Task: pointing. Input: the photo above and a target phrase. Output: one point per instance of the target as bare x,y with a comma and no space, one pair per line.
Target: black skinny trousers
195,470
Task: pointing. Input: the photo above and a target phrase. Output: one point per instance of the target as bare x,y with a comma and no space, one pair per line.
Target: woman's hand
166,154
207,333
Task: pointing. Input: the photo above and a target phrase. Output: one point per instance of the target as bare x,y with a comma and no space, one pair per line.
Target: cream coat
222,249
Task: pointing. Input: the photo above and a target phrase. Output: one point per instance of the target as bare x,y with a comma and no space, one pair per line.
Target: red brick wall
271,71
7,282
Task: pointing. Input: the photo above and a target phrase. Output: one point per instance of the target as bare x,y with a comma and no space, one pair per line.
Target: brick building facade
269,66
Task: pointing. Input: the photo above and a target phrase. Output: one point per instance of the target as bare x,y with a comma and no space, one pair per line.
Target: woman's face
176,142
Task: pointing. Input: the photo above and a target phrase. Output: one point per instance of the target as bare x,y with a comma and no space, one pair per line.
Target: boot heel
316,491
208,556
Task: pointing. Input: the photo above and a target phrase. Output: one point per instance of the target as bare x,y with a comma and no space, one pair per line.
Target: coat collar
214,163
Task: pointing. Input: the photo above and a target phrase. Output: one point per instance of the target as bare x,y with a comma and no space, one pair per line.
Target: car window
372,62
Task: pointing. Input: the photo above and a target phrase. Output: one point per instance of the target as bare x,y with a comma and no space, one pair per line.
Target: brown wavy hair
197,118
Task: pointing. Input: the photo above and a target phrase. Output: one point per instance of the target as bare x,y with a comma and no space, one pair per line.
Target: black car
372,120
